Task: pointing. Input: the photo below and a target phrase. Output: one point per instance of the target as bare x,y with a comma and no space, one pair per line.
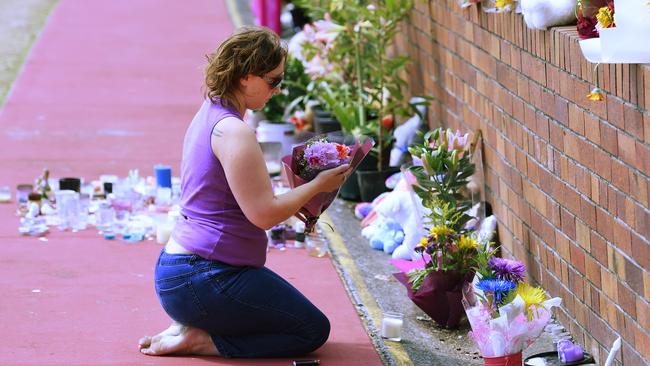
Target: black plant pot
350,189
325,125
372,183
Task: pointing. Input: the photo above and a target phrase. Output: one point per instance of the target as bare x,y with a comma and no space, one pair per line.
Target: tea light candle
391,326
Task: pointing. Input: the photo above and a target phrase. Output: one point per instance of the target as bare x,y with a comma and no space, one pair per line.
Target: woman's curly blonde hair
251,50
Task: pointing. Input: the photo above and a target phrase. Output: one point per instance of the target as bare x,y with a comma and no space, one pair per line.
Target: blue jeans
249,312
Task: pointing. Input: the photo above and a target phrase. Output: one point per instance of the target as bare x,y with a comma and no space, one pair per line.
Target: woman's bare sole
179,339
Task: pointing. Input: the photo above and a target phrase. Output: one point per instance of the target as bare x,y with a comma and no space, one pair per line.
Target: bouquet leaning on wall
442,170
506,313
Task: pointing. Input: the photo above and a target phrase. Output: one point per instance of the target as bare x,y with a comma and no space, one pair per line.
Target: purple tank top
212,224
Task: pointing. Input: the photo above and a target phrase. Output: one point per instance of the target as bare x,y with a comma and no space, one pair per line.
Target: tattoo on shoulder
217,132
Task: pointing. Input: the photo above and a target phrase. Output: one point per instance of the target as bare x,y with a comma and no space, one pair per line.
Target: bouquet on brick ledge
317,154
614,31
506,313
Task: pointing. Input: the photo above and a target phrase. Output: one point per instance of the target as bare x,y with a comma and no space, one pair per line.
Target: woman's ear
245,80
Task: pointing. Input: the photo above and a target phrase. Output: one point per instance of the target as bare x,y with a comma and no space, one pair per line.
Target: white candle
391,326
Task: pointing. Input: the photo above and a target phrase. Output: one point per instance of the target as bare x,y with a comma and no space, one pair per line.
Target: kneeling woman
211,278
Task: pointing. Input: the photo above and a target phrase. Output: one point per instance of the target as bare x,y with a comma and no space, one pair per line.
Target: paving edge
392,353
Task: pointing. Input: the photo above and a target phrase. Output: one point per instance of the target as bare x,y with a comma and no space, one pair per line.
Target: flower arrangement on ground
506,313
317,154
442,170
450,251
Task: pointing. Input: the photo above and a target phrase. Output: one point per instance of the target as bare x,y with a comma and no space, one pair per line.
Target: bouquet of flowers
442,168
449,253
506,313
317,154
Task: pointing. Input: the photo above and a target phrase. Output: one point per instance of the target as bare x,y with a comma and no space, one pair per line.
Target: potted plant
363,88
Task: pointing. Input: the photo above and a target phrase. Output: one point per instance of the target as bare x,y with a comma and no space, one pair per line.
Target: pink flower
457,141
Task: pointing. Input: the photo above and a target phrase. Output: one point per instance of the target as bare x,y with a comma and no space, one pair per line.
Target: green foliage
444,173
292,92
370,86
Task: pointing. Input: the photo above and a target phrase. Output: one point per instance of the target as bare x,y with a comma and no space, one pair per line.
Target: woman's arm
235,145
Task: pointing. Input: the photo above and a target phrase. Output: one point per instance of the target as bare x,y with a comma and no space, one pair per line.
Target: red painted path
111,86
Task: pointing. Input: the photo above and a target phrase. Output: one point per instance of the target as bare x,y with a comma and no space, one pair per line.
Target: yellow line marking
234,13
336,244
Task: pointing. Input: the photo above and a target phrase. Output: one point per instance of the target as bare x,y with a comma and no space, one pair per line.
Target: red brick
604,224
592,128
561,110
592,267
598,248
568,224
620,176
643,157
556,135
576,119
615,114
634,122
626,148
641,250
603,164
627,300
578,258
609,138
634,276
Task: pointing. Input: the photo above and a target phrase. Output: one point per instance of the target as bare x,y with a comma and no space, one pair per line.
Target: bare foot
174,329
181,340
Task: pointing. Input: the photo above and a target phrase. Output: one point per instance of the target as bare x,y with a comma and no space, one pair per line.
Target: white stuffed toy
406,209
405,133
541,14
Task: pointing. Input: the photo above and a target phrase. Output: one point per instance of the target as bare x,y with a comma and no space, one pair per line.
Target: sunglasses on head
273,82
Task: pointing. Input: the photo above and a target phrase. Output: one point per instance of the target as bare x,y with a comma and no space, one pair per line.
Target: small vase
514,359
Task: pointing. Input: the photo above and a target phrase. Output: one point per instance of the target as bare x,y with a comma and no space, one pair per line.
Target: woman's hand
331,179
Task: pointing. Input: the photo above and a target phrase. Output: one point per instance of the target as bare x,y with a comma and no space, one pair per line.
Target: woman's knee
319,331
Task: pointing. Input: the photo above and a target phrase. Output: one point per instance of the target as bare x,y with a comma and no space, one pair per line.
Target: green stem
357,57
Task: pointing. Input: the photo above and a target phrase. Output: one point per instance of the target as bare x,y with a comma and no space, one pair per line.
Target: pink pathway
111,86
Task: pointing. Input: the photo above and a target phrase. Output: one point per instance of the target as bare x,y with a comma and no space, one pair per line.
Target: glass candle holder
316,245
5,194
391,326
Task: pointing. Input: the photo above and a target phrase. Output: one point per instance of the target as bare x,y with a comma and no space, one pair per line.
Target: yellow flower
466,243
423,242
532,296
605,17
437,231
500,4
596,95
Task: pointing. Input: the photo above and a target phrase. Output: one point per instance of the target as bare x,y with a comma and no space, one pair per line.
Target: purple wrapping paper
310,212
439,296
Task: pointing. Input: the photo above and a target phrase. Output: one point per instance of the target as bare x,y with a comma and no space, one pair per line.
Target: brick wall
567,177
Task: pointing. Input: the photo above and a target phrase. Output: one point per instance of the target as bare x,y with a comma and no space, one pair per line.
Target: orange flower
343,151
596,95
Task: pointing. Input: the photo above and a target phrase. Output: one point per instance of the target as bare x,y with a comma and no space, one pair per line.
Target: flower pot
350,189
439,296
325,125
507,360
372,183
